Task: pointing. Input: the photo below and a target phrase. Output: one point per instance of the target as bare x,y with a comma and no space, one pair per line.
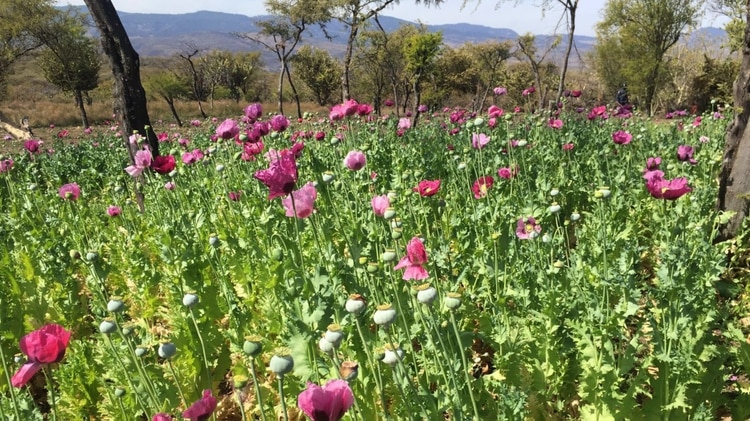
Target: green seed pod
240,381
390,213
119,392
392,355
107,327
277,254
91,256
253,346
373,267
140,351
384,315
115,305
282,362
426,293
74,254
396,233
452,300
388,255
355,304
334,335
167,350
325,346
190,300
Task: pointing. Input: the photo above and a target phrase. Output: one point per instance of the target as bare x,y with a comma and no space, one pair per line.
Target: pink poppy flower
161,137
364,110
142,160
500,91
279,123
32,145
253,112
304,199
427,188
600,111
685,154
163,164
575,93
328,403
228,129
389,103
70,191
251,149
481,185
195,123
355,160
114,211
479,140
6,165
169,185
63,133
507,172
201,409
161,417
568,147
281,175
528,91
652,163
380,204
416,257
45,345
666,189
234,196
404,123
494,111
555,123
192,157
527,228
622,137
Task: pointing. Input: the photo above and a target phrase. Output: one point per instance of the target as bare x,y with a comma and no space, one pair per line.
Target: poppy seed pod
355,304
107,327
334,335
325,346
390,213
115,305
252,346
372,267
384,315
190,300
119,392
575,216
282,362
396,233
167,350
554,192
388,255
328,177
392,355
452,300
426,293
140,351
554,208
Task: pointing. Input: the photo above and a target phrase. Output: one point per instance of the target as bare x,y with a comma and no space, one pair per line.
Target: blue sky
521,16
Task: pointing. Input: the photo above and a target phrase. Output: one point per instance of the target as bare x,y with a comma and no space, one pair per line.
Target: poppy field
506,265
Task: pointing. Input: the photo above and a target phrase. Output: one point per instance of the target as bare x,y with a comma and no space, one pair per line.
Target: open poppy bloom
328,403
45,345
416,257
281,175
304,200
527,228
70,191
481,185
427,188
666,189
201,409
163,164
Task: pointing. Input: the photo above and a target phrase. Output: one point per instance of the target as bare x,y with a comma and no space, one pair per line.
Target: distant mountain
170,34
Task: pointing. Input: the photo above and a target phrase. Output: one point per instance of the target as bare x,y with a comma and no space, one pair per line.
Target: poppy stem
177,382
281,397
258,396
51,391
10,387
465,367
203,347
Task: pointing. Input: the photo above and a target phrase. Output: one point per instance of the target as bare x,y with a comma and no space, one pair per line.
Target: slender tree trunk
81,107
571,7
734,179
348,62
281,88
173,110
294,90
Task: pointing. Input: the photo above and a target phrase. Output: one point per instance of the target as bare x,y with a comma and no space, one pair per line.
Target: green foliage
714,82
320,72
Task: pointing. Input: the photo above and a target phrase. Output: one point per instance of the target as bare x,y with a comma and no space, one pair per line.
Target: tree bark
734,179
173,110
294,89
79,101
571,8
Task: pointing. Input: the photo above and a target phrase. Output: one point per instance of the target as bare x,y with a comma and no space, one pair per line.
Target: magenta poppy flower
161,137
192,157
142,160
355,160
380,204
32,145
494,111
479,140
600,111
304,200
481,185
337,112
528,91
251,149
666,189
555,123
622,137
169,185
427,188
568,147
685,154
195,123
404,123
527,228
507,172
500,91
575,93
228,129
279,123
6,165
364,110
70,191
161,417
652,163
281,175
422,108
416,257
114,211
163,164
254,112
201,409
328,403
234,196
45,345
389,103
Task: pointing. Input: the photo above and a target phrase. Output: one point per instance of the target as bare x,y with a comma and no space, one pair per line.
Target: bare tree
196,76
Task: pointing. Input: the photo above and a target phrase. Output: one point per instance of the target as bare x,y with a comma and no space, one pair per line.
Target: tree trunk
129,96
571,11
348,61
281,88
173,110
734,179
79,101
294,90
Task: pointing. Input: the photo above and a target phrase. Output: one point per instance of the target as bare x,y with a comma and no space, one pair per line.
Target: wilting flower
427,188
380,204
253,112
63,133
32,145
163,164
141,161
622,137
45,345
500,91
389,103
228,129
6,165
527,228
685,154
70,191
114,211
201,409
300,202
416,257
481,185
328,403
281,175
479,140
355,160
192,157
364,110
666,189
279,123
528,91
